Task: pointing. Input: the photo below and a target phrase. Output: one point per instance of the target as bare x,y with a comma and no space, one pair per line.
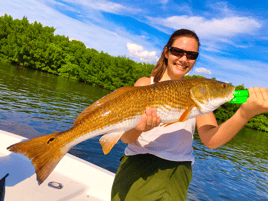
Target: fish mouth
230,96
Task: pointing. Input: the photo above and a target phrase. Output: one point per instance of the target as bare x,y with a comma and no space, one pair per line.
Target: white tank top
173,143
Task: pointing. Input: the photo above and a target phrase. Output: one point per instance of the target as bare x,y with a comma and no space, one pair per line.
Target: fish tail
45,153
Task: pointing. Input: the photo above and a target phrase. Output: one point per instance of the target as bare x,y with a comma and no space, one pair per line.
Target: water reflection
237,170
44,96
33,103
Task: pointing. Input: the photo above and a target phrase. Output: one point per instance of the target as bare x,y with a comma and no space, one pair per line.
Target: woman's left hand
257,102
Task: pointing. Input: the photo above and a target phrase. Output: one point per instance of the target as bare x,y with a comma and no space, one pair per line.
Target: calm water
34,103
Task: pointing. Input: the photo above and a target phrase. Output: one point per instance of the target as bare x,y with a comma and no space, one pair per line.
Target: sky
233,34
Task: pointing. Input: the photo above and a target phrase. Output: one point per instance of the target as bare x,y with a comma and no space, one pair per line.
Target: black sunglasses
180,52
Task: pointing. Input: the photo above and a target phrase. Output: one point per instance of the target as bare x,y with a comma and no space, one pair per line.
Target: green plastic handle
241,93
240,96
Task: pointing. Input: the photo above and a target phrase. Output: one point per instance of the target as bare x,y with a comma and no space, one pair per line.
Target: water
34,103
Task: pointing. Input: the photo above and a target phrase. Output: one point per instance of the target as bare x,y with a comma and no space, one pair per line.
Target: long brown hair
161,65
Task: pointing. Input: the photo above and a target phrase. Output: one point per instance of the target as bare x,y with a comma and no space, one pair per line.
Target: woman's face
179,66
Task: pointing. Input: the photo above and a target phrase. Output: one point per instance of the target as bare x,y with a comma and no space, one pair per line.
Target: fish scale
120,111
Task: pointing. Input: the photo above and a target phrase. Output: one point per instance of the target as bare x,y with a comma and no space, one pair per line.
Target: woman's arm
214,136
148,121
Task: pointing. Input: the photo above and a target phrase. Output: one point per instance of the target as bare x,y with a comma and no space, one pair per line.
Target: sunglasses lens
192,55
179,53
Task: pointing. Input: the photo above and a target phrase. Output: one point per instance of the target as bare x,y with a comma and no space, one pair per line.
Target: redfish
121,110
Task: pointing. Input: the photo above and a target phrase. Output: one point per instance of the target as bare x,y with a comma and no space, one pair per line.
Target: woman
157,162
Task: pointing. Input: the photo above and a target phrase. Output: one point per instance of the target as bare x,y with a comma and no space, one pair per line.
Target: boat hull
72,179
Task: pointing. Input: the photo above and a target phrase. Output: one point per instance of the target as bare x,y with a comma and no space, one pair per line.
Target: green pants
148,178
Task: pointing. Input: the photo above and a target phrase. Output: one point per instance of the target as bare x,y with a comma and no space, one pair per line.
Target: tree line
33,45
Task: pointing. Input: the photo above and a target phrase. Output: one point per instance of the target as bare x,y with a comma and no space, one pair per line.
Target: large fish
121,110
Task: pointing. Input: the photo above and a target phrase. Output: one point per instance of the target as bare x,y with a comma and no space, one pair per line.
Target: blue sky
233,34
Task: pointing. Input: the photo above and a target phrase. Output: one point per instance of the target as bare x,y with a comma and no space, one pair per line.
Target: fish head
208,94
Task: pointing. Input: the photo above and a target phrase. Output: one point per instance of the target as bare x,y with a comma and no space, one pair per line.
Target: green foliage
259,122
240,87
35,46
194,76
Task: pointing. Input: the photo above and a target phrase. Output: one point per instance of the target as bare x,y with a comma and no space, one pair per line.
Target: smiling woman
157,164
187,41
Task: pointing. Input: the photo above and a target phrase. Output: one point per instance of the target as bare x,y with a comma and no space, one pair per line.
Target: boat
73,179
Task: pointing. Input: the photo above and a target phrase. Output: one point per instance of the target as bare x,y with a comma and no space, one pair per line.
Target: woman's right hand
149,120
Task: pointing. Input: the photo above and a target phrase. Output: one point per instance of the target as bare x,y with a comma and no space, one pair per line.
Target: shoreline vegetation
35,46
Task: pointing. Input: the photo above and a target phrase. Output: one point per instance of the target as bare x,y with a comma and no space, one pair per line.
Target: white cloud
208,28
105,6
203,71
164,2
62,5
137,51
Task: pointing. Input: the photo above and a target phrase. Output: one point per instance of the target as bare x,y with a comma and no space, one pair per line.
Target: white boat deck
79,179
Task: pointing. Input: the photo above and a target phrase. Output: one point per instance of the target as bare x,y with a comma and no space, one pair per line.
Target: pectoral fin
183,117
108,141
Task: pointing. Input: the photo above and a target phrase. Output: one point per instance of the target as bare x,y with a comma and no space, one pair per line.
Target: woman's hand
257,102
149,120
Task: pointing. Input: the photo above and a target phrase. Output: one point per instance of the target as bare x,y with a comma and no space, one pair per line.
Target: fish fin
108,141
185,114
168,124
183,117
45,153
102,101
